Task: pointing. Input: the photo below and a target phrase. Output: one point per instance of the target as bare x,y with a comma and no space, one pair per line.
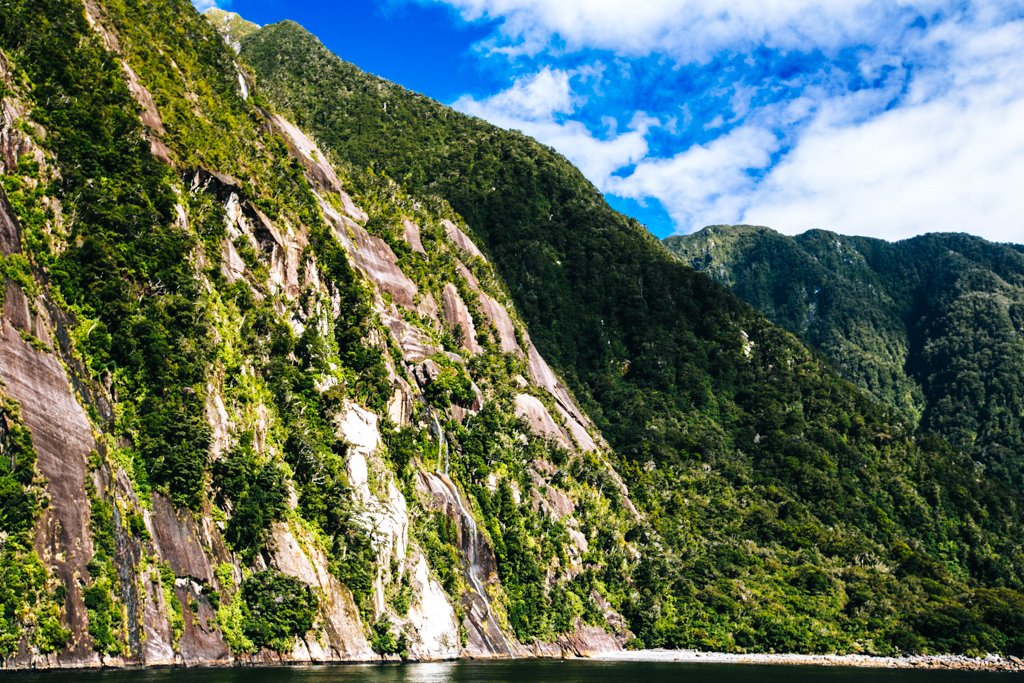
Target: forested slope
933,325
785,508
275,387
251,410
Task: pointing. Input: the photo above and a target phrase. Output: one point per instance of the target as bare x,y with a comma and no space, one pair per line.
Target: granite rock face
177,576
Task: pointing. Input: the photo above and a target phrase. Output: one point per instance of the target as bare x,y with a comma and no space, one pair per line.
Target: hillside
248,416
265,397
755,466
932,325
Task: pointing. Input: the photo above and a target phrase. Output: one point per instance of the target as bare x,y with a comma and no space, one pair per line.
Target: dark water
517,672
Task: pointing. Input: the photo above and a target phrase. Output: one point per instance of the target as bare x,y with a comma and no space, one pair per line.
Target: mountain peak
231,25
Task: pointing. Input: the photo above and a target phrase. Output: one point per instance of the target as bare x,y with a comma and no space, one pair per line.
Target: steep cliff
262,403
256,410
784,509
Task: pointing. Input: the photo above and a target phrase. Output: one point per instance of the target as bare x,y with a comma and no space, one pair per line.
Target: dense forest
785,508
933,325
269,398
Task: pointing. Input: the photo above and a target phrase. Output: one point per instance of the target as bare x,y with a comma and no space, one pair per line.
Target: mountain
933,325
247,416
737,444
289,375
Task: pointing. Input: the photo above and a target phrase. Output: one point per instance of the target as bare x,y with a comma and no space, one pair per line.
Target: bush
276,609
258,496
384,642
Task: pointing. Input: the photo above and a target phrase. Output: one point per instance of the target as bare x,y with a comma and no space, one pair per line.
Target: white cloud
537,105
705,180
951,160
532,98
689,29
935,142
203,5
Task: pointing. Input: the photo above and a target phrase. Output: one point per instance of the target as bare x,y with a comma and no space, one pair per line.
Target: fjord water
523,671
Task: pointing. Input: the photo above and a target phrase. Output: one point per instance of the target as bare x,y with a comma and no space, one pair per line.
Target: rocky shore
948,662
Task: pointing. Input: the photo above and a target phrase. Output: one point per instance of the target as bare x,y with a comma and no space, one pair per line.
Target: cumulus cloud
713,179
896,117
950,160
538,105
690,29
535,97
203,5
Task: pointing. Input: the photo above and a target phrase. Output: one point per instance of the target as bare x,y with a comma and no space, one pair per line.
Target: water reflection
430,672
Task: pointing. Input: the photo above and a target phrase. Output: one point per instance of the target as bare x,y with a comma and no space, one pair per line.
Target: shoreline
947,662
930,662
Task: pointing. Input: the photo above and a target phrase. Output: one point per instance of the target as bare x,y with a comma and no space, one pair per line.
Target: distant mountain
932,325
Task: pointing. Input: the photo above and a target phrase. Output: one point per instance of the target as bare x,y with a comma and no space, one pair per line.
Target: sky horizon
882,118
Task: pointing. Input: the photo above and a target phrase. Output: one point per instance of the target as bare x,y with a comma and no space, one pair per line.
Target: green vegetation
126,271
106,614
783,508
780,508
230,614
438,536
452,384
256,492
932,325
30,601
175,613
384,641
529,545
230,24
276,609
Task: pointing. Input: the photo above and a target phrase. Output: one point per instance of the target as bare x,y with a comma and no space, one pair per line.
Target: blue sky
886,118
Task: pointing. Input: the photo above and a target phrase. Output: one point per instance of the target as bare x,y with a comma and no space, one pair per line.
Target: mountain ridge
266,402
255,453
894,317
674,373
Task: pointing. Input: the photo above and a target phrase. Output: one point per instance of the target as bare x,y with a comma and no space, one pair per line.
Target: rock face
319,171
9,240
63,439
486,637
531,409
176,577
457,316
411,234
341,635
432,617
178,540
373,257
502,323
462,240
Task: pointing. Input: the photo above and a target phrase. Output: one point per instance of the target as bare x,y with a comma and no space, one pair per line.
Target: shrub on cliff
276,609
